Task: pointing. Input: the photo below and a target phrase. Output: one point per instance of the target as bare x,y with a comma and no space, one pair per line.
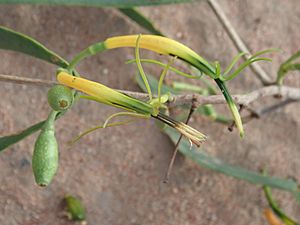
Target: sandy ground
118,172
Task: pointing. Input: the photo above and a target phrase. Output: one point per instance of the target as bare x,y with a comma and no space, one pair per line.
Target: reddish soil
118,172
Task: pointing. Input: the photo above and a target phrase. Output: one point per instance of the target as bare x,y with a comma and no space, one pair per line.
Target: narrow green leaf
140,19
213,163
292,58
90,130
270,50
274,206
211,89
244,66
164,65
161,79
15,41
97,3
181,86
295,66
7,141
218,69
249,61
153,82
140,67
233,62
284,69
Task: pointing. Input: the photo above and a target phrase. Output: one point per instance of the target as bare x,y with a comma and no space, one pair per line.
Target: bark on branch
285,92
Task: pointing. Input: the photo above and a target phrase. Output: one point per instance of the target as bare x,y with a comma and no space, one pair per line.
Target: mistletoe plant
63,96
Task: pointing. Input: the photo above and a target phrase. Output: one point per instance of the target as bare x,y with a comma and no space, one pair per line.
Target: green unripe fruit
60,97
75,208
45,154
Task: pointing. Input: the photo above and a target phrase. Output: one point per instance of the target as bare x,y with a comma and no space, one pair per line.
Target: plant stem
91,50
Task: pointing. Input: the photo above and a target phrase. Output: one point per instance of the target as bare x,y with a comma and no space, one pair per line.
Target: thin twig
286,92
49,83
273,107
168,173
25,80
268,91
236,39
258,113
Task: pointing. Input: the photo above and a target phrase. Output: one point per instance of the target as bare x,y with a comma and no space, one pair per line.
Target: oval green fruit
60,97
45,154
45,158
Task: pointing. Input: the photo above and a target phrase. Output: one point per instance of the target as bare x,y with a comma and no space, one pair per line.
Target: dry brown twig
238,42
27,81
285,92
268,91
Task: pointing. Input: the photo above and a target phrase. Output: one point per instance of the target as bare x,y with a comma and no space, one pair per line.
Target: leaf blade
140,19
98,3
16,41
210,162
9,140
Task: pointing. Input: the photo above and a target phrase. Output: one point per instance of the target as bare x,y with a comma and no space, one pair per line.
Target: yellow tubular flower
108,96
166,46
104,94
162,45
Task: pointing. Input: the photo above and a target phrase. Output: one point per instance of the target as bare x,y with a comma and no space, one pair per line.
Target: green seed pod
75,208
45,154
60,97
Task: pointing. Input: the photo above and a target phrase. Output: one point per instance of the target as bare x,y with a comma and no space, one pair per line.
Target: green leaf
15,41
286,67
213,163
98,3
7,141
140,19
173,69
153,82
293,57
252,59
274,206
233,62
181,86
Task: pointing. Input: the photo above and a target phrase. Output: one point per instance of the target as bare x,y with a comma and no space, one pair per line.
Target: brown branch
236,39
25,80
286,92
269,91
